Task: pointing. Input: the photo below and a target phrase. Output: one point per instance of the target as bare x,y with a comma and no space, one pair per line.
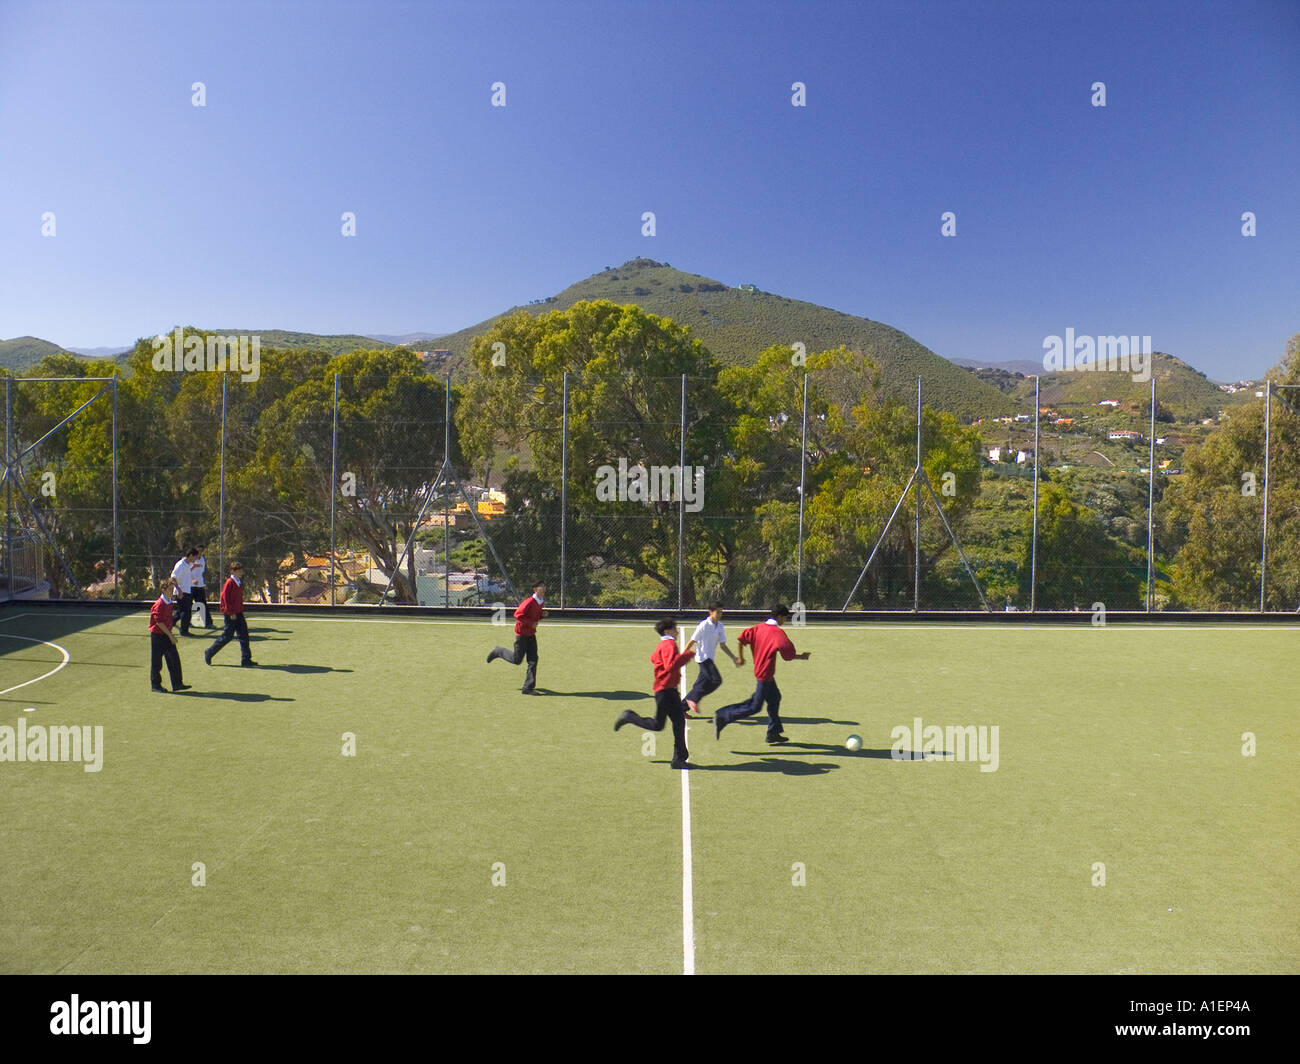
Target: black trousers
236,627
525,650
668,706
708,681
200,594
161,649
766,691
183,606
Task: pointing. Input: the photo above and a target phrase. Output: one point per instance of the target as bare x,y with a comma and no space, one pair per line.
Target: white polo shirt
199,571
708,636
181,573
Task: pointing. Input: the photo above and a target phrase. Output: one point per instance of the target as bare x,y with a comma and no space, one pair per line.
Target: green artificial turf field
1121,746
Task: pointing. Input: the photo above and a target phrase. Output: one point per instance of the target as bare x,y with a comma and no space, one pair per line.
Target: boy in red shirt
667,664
232,609
527,614
767,641
162,642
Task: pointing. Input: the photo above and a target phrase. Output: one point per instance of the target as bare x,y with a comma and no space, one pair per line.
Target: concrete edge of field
1064,617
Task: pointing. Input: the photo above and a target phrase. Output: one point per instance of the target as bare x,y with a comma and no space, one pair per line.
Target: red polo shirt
161,614
767,641
668,663
232,597
527,614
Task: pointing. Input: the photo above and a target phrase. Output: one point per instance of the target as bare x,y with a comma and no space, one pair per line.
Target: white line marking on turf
688,876
66,658
688,899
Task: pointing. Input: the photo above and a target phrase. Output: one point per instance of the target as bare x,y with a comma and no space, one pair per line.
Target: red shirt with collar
232,597
160,615
527,614
668,663
767,641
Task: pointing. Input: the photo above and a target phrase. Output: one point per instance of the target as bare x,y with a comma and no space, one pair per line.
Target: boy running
667,664
768,641
708,637
527,614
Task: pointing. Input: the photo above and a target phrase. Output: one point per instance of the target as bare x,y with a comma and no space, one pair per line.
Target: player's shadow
761,719
840,751
785,766
299,670
233,696
613,696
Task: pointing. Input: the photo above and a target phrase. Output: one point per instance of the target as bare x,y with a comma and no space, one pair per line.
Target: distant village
357,580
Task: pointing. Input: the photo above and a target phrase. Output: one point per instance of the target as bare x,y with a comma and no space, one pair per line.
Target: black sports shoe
681,764
183,687
776,740
717,727
249,664
159,690
207,656
493,654
623,718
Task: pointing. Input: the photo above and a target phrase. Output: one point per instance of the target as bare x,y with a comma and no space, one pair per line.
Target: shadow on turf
297,670
613,696
840,751
762,719
785,766
232,696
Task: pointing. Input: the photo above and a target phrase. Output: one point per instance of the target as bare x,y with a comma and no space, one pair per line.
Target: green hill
333,345
736,324
23,352
1183,391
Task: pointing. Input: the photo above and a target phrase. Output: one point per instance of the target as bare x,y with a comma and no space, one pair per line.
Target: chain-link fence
370,486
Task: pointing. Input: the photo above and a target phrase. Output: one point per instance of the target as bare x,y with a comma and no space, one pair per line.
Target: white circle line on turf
66,658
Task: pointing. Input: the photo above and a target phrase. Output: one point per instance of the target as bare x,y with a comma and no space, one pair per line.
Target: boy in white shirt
708,637
182,573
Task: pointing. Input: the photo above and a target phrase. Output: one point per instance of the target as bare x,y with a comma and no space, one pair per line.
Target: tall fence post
9,486
116,592
1151,497
564,488
334,488
803,463
446,498
681,499
1033,543
916,546
1263,547
225,380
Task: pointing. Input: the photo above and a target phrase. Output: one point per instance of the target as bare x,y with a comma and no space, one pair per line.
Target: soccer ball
854,743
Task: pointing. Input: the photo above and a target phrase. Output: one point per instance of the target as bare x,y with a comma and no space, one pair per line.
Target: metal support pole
116,591
564,488
446,513
9,476
803,463
1151,496
225,380
1263,548
1033,543
916,545
681,500
334,487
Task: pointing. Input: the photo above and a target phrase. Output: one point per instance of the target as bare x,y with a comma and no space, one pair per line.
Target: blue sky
1117,220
